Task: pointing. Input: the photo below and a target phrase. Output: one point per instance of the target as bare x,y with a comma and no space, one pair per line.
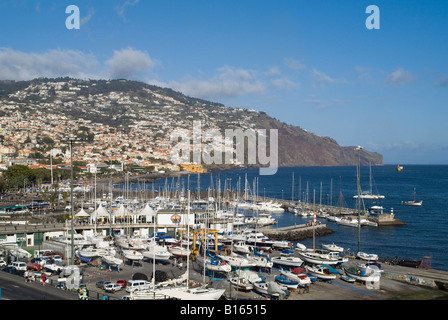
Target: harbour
289,229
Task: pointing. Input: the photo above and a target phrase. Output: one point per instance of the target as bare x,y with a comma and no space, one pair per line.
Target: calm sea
425,232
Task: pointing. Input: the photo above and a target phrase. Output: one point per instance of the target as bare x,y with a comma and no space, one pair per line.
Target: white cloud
400,77
273,72
18,65
129,64
121,9
293,64
284,83
229,82
320,79
89,16
442,82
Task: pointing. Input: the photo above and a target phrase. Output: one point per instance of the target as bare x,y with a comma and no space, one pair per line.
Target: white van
134,285
19,265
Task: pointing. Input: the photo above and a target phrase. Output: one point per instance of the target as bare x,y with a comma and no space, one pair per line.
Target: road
14,287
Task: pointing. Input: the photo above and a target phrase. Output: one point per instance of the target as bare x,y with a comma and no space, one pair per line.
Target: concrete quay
397,283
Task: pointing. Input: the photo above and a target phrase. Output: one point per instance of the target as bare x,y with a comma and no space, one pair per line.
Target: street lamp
358,174
70,140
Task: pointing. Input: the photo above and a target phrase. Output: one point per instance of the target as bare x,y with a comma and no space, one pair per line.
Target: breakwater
297,232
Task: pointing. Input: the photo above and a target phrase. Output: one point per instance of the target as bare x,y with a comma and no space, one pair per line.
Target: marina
220,238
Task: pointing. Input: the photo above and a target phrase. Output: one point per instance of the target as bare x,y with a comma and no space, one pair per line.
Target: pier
384,219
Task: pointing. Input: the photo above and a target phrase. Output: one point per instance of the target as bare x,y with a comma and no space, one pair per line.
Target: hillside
131,121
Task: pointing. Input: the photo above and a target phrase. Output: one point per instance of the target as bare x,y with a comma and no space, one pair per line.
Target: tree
19,175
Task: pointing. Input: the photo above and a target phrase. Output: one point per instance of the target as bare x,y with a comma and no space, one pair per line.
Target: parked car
112,287
134,285
102,283
18,265
2,263
121,282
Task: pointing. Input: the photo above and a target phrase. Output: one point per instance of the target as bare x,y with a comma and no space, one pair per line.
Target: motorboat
241,247
236,260
288,261
265,219
19,253
282,244
157,252
367,256
179,250
270,289
301,278
133,255
300,247
318,256
348,222
92,252
332,247
258,239
112,260
260,260
213,263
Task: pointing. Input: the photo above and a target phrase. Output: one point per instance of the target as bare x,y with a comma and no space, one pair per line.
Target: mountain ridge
128,106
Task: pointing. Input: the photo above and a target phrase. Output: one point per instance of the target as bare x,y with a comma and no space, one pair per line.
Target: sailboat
185,292
413,202
369,194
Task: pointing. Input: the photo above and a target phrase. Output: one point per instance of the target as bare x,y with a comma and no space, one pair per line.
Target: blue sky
308,63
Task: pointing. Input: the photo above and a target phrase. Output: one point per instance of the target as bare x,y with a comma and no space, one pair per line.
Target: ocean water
425,232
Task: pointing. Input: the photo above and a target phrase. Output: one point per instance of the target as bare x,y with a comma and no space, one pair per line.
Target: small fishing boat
241,284
362,272
262,287
413,202
347,278
322,272
289,283
287,253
